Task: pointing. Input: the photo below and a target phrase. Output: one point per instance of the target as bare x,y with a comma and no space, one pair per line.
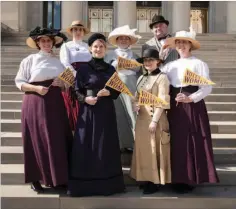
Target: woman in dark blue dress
95,166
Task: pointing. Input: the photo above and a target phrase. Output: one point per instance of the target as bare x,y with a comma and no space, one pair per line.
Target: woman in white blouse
72,54
45,126
192,159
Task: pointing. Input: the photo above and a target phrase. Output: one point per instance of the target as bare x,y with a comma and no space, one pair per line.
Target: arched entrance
199,16
145,11
100,16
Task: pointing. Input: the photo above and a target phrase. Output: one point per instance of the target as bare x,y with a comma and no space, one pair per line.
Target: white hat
183,35
123,31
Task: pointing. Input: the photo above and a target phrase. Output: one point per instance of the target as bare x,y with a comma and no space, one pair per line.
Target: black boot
150,188
36,186
182,188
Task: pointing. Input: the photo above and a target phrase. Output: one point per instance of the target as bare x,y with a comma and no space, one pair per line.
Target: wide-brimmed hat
158,19
183,35
95,37
123,31
39,32
77,24
149,53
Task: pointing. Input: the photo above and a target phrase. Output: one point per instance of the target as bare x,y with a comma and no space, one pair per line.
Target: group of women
73,136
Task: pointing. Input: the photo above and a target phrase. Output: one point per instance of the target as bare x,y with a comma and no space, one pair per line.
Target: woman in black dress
95,167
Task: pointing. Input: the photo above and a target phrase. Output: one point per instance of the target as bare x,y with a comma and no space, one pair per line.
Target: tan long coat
151,156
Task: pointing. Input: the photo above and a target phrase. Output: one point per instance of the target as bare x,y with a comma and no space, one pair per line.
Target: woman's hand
91,100
152,127
136,107
103,93
183,98
58,82
41,90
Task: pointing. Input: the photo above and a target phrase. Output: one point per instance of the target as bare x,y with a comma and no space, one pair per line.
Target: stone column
22,15
73,10
231,18
180,15
125,13
217,23
166,11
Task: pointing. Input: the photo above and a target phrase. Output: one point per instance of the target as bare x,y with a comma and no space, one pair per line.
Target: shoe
150,188
36,186
182,188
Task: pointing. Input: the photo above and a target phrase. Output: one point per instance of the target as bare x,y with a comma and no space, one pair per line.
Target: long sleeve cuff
80,97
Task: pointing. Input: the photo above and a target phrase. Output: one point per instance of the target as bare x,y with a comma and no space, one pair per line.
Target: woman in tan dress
151,156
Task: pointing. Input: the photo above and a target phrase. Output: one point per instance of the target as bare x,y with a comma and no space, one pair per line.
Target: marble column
22,15
166,11
125,13
73,10
217,22
231,18
180,15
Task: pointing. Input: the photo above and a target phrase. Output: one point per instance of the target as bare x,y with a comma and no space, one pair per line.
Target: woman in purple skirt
45,126
192,159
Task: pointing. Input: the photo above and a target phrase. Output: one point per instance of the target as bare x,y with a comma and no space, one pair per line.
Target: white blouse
74,51
127,54
38,67
175,72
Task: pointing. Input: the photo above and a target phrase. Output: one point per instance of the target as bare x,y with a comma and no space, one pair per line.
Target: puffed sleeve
113,93
23,75
65,57
164,68
204,90
136,96
163,93
79,87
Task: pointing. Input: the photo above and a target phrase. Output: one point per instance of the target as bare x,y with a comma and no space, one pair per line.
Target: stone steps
215,77
215,90
203,197
14,155
13,174
217,127
219,140
211,106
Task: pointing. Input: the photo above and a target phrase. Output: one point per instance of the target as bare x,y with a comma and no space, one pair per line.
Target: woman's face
77,33
150,64
45,44
98,49
183,46
123,42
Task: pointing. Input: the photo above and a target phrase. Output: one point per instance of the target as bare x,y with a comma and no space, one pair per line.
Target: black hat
149,53
95,37
39,32
158,19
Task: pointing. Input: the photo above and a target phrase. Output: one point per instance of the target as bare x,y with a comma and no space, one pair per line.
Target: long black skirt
46,136
95,167
192,159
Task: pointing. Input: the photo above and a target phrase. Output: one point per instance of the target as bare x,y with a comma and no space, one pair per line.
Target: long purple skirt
192,159
46,136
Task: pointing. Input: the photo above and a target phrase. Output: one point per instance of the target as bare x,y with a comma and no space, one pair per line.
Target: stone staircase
218,50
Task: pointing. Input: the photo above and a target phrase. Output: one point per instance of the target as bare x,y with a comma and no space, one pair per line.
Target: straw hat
123,31
38,32
183,35
77,24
